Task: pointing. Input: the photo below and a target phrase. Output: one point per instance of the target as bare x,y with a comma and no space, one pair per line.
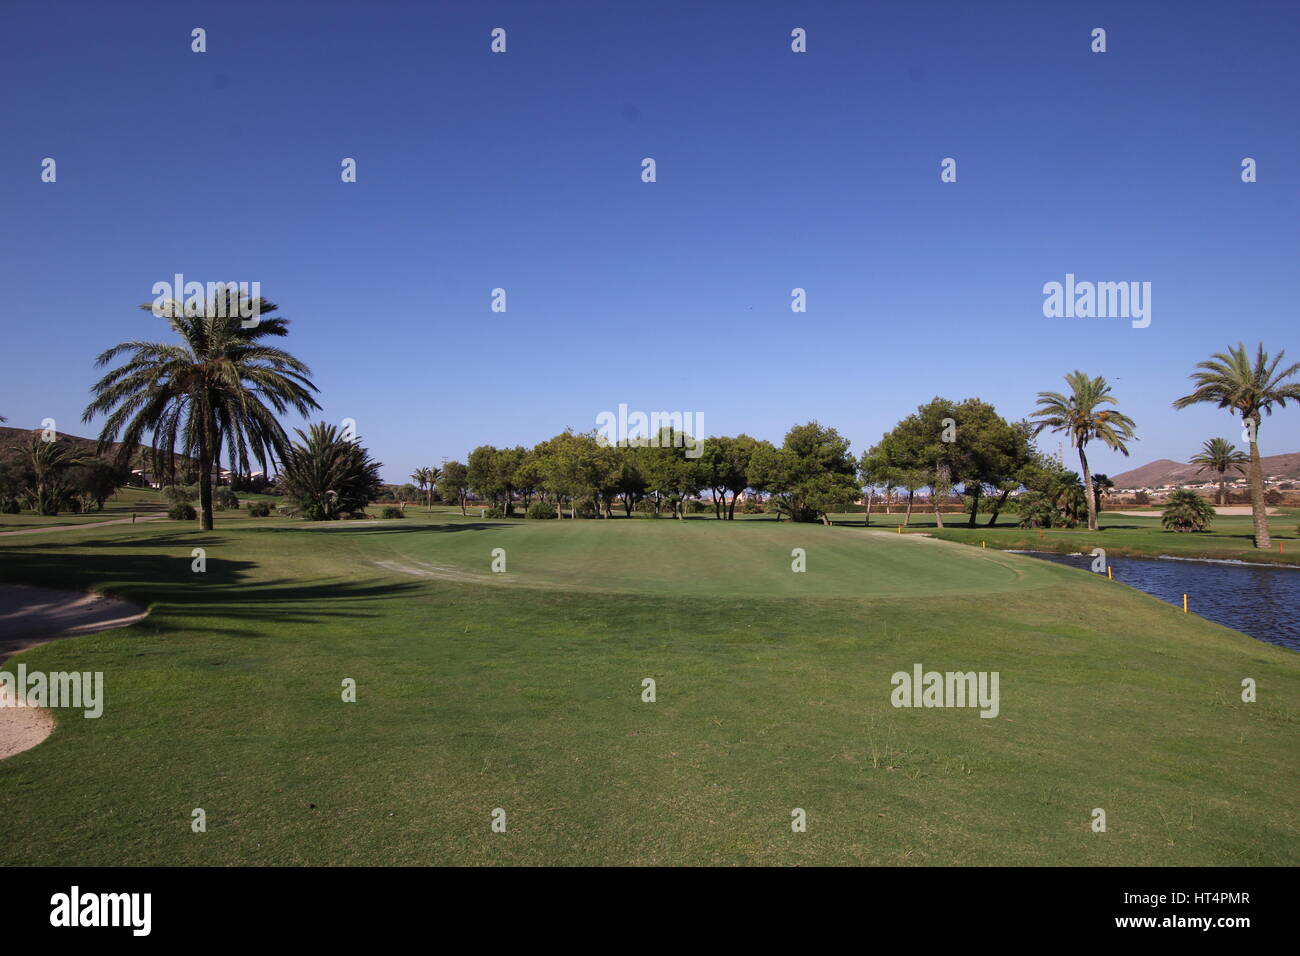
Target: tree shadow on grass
224,598
349,528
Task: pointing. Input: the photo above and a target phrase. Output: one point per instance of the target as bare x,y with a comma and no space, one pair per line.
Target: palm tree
329,475
1186,511
1230,380
435,474
49,459
1220,455
1100,485
219,388
421,478
1079,416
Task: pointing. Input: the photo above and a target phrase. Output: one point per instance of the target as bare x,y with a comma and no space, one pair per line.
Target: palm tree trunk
1223,489
205,483
1257,497
908,517
1087,490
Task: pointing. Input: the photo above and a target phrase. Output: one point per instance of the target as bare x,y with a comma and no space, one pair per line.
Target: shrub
258,509
328,475
1187,511
177,494
392,511
541,509
182,511
224,499
586,508
496,511
1141,498
11,507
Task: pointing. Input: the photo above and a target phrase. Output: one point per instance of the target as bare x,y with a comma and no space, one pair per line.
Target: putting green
687,558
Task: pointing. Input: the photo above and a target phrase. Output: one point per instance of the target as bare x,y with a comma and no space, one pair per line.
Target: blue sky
775,170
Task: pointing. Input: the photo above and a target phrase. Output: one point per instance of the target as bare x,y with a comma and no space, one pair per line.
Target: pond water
1260,600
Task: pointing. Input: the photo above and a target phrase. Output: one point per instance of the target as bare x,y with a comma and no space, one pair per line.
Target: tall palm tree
435,474
1080,416
421,478
219,389
1230,380
1219,455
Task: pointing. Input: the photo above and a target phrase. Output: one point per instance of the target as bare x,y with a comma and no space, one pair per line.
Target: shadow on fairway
392,527
217,600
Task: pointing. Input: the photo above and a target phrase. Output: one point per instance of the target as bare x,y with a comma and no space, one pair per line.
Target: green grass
522,691
1229,536
142,501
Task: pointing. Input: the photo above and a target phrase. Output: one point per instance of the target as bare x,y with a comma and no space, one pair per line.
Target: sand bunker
31,616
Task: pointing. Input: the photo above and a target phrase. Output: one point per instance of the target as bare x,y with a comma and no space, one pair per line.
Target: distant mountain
12,441
1167,472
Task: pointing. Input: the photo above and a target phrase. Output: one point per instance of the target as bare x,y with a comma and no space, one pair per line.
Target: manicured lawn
1229,536
141,501
523,691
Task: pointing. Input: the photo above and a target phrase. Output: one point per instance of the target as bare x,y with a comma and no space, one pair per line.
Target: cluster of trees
809,475
50,477
222,386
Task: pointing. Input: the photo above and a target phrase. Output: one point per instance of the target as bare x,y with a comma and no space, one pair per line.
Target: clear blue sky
775,170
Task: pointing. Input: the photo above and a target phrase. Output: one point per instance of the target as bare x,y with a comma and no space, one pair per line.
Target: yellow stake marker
1184,603
984,544
1109,576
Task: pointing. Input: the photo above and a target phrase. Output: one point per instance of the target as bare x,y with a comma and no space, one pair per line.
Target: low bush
182,511
224,499
1187,511
259,509
392,511
180,493
541,509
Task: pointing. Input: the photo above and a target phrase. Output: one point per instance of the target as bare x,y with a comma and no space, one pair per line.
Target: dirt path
32,616
93,524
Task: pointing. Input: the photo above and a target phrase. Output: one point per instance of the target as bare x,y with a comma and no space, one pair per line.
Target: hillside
13,439
1167,472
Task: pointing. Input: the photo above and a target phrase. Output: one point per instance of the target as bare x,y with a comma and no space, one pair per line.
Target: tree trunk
205,476
975,505
866,520
1223,490
911,495
1262,540
997,509
731,511
1087,490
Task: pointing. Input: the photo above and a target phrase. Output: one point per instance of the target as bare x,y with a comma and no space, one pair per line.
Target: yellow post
984,544
1109,576
1184,603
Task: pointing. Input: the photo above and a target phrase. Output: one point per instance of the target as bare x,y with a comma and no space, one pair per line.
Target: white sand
32,616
